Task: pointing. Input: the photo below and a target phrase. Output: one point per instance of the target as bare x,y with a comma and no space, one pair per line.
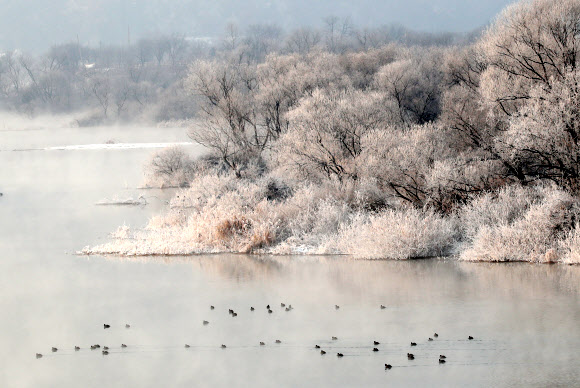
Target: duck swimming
105,326
388,366
410,356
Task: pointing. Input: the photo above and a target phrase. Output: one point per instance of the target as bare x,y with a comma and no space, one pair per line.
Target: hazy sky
37,24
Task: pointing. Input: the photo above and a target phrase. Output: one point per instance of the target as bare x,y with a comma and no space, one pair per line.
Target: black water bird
336,307
376,343
38,355
211,307
322,352
127,326
230,311
316,346
205,322
388,366
375,350
105,347
413,344
470,338
282,305
123,345
223,346
430,339
262,343
268,307
410,356
441,361
441,356
278,341
234,314
77,348
269,311
105,326
383,307
252,309
435,335
93,347
334,338
287,309
54,349
105,352
339,355
187,346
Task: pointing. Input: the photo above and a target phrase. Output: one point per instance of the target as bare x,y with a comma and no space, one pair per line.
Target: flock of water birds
410,356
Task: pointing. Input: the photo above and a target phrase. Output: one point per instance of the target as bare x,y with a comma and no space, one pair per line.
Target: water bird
441,361
334,338
234,314
376,343
187,346
105,326
278,341
38,355
316,346
413,344
230,311
290,307
470,338
211,307
123,345
268,307
252,309
262,344
127,326
287,309
441,356
322,352
410,356
54,349
77,348
105,352
223,346
339,355
282,305
435,335
206,322
375,350
105,347
430,339
388,366
93,347
269,311
383,307
336,307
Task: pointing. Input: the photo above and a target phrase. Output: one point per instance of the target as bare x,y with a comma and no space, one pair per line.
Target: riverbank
221,213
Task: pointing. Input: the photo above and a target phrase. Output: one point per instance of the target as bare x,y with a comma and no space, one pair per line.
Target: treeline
144,80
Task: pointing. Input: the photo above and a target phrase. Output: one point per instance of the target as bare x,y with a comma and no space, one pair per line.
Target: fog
35,25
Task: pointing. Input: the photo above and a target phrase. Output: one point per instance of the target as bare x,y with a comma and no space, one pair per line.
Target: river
524,319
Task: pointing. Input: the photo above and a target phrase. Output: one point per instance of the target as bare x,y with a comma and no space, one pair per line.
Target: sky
35,25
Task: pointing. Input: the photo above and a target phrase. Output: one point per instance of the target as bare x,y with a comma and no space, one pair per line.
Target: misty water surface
524,317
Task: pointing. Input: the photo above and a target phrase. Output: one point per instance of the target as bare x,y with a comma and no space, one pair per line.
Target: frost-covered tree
229,122
324,139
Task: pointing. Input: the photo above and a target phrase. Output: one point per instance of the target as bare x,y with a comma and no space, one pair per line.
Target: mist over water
523,317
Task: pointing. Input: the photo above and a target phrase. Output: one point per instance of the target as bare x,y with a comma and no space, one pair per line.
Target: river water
525,319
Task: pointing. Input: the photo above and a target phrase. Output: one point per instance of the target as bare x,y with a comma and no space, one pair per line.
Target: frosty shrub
398,234
169,167
519,224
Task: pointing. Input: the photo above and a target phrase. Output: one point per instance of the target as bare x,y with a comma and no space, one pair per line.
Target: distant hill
34,25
